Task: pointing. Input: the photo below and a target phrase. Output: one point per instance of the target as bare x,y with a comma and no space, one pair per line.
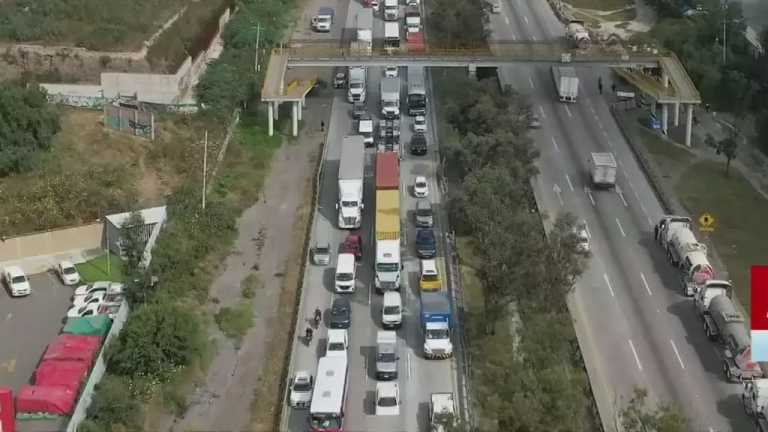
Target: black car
341,313
359,110
426,245
419,144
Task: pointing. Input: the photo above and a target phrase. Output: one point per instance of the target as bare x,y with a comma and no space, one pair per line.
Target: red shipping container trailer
7,414
415,43
73,347
387,171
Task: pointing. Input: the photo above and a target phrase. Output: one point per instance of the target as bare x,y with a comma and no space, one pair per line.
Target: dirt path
263,247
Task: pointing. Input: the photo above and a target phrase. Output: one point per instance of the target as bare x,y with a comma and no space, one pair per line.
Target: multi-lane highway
418,378
634,327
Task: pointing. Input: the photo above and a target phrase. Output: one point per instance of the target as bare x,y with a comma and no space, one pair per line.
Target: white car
92,309
112,287
338,343
301,390
17,281
96,297
582,238
68,273
420,187
420,124
387,399
390,72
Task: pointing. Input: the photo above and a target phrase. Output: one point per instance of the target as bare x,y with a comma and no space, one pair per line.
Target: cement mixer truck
723,323
684,251
577,34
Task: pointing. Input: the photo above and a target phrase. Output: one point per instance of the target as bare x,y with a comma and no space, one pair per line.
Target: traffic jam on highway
384,242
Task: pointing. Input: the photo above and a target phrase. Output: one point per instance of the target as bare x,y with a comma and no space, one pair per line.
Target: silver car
301,390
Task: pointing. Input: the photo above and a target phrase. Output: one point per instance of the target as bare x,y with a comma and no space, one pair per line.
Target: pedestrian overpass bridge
657,73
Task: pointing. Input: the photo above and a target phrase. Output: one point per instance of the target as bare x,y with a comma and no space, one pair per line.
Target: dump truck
723,323
603,170
566,83
577,35
390,97
436,325
387,264
442,412
363,43
351,171
389,136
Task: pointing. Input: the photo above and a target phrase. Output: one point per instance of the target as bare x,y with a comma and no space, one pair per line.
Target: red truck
415,43
353,244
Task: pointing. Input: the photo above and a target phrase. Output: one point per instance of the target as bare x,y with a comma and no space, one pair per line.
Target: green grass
625,15
602,5
97,269
235,321
740,233
250,285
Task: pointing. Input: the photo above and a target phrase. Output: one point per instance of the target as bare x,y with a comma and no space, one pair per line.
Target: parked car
16,281
341,313
68,273
390,72
109,309
301,390
112,287
420,124
321,254
392,310
340,80
420,187
97,297
426,244
387,399
418,144
353,244
338,343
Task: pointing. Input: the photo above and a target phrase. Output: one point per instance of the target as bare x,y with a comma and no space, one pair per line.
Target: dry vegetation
92,171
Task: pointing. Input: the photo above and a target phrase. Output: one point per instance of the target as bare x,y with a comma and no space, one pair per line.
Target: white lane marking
634,352
599,123
530,81
645,284
620,228
591,108
607,282
621,165
506,20
568,111
589,194
556,189
597,118
636,194
621,195
526,19
369,296
677,353
541,109
554,143
568,179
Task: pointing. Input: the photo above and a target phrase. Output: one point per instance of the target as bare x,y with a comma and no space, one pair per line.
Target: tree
636,417
159,338
459,23
27,126
761,124
562,262
727,146
132,242
114,406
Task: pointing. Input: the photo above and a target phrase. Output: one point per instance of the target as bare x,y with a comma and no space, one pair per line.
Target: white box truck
391,10
351,171
566,82
363,44
390,98
417,91
357,83
603,170
391,35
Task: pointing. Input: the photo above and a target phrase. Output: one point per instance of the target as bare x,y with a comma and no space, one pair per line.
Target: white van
338,344
345,273
392,310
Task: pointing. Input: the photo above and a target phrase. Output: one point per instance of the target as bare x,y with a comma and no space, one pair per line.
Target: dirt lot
92,171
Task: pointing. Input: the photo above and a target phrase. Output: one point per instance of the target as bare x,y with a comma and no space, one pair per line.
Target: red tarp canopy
7,416
387,171
50,400
415,42
66,373
73,347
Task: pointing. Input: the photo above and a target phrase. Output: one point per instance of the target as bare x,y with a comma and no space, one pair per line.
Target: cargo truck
723,323
436,325
387,264
413,20
363,43
356,84
603,170
351,172
390,97
391,10
417,91
391,36
323,20
566,82
389,136
442,412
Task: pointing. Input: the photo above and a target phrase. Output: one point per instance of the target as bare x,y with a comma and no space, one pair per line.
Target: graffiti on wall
130,119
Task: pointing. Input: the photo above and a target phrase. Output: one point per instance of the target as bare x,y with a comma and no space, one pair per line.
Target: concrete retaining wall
38,252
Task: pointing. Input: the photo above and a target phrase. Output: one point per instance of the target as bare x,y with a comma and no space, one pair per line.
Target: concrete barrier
38,252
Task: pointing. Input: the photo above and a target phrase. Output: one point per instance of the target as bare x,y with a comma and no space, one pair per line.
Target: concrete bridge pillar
688,124
664,117
270,118
277,110
472,70
295,118
677,114
299,107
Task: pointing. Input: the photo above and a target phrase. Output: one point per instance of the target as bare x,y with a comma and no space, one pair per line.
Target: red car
354,245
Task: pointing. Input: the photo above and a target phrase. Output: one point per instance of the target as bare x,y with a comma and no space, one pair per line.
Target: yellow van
430,277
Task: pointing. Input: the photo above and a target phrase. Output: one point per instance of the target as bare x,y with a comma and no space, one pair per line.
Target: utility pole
724,7
256,62
205,164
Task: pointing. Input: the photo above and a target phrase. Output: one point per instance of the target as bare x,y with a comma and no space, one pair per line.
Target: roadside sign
706,222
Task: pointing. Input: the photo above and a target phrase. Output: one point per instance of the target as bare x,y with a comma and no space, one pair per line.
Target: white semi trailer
351,172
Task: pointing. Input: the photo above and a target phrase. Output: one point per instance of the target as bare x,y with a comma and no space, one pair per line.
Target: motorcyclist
318,316
309,334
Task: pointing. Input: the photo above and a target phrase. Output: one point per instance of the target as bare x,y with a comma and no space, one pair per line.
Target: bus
326,412
417,91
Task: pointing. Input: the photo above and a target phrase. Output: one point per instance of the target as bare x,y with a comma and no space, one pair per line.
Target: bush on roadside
115,406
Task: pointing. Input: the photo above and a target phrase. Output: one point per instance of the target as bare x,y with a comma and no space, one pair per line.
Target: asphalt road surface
418,378
634,326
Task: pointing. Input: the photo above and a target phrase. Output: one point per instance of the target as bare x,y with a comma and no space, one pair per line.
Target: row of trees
738,83
543,386
166,331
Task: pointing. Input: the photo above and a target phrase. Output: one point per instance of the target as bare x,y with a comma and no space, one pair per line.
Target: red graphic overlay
759,297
